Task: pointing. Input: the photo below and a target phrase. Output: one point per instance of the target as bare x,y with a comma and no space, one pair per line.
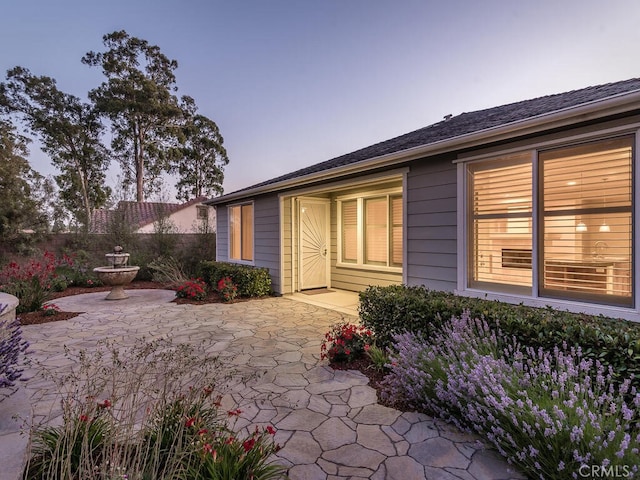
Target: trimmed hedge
251,281
397,308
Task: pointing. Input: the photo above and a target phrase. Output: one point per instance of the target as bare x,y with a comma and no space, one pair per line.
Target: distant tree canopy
19,203
153,131
70,132
200,158
147,118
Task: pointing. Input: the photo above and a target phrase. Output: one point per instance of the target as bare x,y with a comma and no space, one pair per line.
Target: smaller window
241,232
371,231
203,212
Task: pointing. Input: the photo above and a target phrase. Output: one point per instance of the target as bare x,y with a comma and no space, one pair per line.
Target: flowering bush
346,342
227,289
541,409
194,289
12,346
31,282
50,309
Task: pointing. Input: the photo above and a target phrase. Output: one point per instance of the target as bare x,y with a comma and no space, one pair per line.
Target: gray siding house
529,202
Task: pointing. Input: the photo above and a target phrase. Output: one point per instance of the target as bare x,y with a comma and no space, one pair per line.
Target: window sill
373,268
627,313
241,262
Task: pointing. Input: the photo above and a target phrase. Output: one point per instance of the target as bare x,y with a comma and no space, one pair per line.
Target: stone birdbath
117,274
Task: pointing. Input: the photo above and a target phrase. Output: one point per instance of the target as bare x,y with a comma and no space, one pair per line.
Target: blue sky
292,83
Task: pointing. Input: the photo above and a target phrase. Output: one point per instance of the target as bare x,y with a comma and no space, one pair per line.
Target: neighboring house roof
456,127
137,214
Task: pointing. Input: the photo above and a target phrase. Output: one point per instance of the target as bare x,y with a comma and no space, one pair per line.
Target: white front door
314,243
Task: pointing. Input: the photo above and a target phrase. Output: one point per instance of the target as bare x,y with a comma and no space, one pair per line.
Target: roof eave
560,118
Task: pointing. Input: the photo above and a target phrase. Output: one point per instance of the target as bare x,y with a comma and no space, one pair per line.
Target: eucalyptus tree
70,132
200,158
139,99
19,207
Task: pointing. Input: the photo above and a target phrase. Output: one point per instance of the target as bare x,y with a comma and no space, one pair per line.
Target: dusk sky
293,83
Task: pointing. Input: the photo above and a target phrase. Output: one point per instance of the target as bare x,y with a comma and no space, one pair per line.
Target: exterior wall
266,250
355,279
266,234
288,246
222,236
184,221
431,224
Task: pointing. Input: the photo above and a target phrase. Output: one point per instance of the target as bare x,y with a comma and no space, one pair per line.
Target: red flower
190,422
248,444
84,418
270,430
106,404
202,431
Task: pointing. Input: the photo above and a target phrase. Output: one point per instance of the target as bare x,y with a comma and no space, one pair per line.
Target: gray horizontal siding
267,236
222,235
266,225
431,217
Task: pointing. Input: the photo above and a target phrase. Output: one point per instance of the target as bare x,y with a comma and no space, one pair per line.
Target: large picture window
581,223
241,232
371,231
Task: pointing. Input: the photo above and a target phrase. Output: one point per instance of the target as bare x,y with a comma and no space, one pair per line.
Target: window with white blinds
371,230
350,231
586,221
241,232
583,226
501,236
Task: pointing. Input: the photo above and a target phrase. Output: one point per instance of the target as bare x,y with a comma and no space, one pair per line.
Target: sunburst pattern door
314,237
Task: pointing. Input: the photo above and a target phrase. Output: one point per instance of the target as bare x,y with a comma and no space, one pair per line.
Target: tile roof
467,123
137,214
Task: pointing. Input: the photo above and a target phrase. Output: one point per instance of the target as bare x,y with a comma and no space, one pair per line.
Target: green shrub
396,309
251,281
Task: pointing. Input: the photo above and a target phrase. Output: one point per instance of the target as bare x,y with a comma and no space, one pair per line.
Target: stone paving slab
328,421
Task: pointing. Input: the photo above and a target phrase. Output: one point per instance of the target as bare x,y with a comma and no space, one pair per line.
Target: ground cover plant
554,414
148,412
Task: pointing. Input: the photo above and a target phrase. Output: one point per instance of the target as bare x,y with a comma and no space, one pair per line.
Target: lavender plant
12,346
540,409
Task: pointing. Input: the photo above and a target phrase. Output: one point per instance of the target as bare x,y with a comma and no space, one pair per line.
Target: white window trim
628,313
253,239
360,197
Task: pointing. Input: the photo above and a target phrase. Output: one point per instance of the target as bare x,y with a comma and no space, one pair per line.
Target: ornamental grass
149,412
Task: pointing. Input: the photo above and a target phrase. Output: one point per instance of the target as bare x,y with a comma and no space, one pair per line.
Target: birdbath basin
117,274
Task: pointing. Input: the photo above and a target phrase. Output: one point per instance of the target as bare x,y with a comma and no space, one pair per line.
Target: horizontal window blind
587,227
501,229
376,231
350,231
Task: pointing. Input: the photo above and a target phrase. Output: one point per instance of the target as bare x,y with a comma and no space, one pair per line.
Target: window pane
396,231
247,232
234,233
350,231
587,247
375,231
500,239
